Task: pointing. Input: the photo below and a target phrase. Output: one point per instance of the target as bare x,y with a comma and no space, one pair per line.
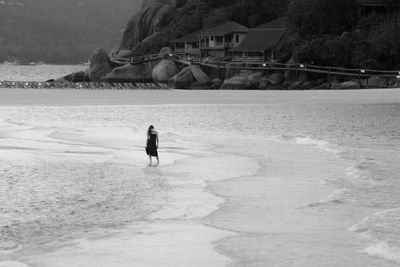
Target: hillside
61,31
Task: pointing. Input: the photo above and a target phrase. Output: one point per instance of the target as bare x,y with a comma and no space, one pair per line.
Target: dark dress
151,148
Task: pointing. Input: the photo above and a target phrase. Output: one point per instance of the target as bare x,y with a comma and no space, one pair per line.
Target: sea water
36,73
73,172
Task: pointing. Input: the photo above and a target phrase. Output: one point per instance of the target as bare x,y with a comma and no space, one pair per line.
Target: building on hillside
261,45
264,42
217,42
378,6
188,45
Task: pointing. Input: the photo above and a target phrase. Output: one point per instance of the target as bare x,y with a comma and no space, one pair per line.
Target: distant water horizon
37,73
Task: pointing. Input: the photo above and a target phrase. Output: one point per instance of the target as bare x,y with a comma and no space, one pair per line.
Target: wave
385,251
336,198
12,264
356,171
382,231
319,143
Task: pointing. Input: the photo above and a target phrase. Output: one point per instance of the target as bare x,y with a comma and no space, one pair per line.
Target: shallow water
330,174
36,73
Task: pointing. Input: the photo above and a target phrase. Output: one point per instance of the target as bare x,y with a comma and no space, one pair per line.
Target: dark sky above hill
31,28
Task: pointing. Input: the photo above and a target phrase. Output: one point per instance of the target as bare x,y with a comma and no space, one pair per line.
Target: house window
228,39
180,45
212,38
237,38
219,40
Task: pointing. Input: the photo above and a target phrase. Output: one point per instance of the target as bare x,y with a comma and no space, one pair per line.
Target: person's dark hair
149,130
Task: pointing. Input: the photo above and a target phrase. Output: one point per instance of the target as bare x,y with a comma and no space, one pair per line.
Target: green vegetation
333,33
322,32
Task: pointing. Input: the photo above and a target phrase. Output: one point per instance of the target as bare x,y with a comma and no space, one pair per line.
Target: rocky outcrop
199,75
164,70
165,51
182,80
275,79
122,54
255,79
346,85
244,80
76,77
216,83
143,29
131,73
99,65
191,77
376,82
237,82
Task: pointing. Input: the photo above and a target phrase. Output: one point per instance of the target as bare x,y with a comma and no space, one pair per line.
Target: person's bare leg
158,160
151,163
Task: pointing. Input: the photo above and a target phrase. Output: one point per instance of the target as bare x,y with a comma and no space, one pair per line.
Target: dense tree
317,17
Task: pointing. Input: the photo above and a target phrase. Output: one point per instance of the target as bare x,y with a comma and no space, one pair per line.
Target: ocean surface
325,174
36,73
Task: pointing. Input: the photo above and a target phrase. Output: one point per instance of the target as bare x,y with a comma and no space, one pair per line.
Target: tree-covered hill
337,33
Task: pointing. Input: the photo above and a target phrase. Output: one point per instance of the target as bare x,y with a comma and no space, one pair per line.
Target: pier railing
245,64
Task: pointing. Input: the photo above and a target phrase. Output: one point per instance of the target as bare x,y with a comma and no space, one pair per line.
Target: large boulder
99,65
377,82
164,70
174,3
154,15
182,80
346,85
123,54
201,85
275,79
131,73
216,83
75,77
191,77
165,51
237,82
255,79
200,76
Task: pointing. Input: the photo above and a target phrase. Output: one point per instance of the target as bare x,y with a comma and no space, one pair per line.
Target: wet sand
233,201
62,97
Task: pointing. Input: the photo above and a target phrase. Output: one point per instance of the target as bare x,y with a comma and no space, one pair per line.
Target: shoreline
293,213
175,233
66,97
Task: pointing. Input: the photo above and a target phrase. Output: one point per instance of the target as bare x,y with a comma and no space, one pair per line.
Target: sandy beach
259,178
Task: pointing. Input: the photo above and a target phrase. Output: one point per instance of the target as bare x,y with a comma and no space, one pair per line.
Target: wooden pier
226,66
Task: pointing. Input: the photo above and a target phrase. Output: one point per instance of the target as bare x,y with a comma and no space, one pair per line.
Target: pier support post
329,79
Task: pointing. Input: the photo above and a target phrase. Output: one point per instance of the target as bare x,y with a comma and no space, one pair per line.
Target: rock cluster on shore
144,33
180,76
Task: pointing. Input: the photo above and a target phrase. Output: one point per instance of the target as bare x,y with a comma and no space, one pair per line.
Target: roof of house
275,24
261,39
224,29
190,38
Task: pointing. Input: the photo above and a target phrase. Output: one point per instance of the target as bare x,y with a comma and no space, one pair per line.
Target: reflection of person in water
152,144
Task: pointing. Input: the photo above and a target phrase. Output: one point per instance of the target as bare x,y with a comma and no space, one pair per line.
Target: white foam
12,264
321,144
356,172
148,245
385,251
335,198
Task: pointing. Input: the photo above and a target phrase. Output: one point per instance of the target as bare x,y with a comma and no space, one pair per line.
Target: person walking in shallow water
152,145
